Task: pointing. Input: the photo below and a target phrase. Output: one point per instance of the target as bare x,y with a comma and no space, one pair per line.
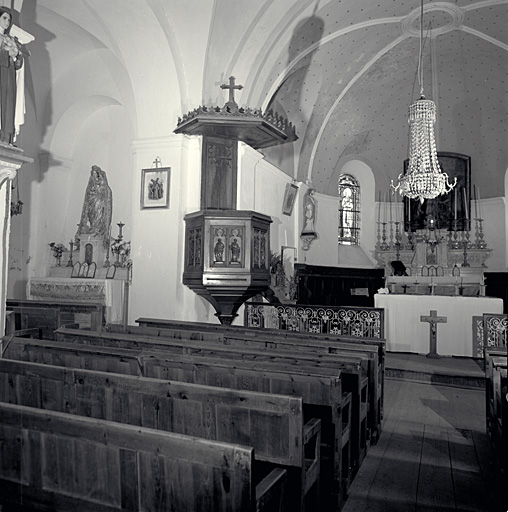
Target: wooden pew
322,395
272,339
68,310
349,364
272,424
491,354
178,327
159,323
60,462
46,321
496,394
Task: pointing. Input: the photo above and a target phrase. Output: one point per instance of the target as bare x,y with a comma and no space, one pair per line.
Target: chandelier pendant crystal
424,178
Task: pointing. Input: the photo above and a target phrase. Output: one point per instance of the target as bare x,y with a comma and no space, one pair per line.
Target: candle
390,207
386,206
409,211
479,205
379,207
466,204
475,202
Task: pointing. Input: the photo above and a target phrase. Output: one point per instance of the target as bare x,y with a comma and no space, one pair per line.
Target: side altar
96,267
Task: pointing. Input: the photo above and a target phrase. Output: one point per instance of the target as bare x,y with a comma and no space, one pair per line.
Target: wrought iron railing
338,320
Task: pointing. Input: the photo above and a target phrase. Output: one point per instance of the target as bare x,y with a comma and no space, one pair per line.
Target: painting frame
155,181
456,165
289,199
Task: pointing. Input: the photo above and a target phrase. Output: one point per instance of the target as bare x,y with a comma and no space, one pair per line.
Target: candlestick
120,226
70,262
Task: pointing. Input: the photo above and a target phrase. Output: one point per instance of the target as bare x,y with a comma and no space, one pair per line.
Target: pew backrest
74,463
272,424
69,311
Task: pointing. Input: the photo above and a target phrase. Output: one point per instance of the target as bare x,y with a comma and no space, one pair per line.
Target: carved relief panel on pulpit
227,247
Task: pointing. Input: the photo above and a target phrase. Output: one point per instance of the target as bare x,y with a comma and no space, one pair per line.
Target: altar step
461,372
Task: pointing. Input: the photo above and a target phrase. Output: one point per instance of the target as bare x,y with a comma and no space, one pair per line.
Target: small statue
97,207
11,80
219,250
309,212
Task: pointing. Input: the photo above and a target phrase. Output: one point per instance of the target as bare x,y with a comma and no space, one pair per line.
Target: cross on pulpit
231,86
433,320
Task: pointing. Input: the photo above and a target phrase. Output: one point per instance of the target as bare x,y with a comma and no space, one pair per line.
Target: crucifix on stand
433,320
231,87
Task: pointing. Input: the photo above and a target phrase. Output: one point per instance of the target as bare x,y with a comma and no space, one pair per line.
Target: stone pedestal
11,159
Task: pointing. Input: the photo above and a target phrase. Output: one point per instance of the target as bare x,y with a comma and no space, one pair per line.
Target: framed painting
289,198
155,187
448,209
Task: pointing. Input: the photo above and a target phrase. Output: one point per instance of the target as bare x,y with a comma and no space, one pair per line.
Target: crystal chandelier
424,178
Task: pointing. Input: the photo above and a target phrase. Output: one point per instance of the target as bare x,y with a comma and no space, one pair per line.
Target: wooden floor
433,453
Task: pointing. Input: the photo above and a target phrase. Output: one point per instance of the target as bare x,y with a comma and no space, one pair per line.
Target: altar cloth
404,332
110,292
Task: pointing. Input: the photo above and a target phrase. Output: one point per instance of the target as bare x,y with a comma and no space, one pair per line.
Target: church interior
284,221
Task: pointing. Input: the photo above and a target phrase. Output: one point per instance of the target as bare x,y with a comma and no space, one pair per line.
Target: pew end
271,492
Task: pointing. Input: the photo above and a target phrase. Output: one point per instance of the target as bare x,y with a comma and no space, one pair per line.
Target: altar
405,332
112,293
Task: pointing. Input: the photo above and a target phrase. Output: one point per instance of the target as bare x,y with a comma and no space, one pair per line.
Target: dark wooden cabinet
338,286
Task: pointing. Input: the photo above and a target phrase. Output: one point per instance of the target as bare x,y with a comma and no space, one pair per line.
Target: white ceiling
343,71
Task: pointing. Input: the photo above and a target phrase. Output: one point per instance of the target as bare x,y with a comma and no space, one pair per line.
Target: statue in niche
235,251
97,207
309,212
219,251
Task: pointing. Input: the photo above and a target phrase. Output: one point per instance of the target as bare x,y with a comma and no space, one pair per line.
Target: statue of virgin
97,207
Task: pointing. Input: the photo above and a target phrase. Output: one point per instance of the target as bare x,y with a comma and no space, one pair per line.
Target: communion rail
358,322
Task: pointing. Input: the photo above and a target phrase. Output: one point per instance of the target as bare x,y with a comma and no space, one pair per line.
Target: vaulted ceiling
343,71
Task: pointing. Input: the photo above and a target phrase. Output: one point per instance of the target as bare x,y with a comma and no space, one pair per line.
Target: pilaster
11,159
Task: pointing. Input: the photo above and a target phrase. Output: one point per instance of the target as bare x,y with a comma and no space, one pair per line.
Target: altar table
404,332
110,292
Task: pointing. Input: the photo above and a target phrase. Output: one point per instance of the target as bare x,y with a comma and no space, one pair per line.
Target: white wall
261,188
495,230
325,250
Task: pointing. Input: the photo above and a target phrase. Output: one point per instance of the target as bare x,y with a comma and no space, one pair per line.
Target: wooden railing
339,320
